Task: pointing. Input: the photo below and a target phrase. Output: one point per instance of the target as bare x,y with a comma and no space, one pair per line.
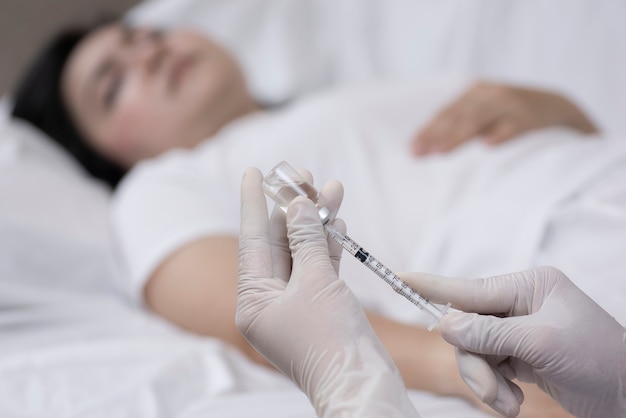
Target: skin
497,113
136,93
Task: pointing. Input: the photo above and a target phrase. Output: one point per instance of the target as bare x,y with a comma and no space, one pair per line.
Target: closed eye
112,90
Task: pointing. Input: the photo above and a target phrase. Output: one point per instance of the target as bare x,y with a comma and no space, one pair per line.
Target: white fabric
70,343
288,48
82,354
50,210
294,404
448,215
592,223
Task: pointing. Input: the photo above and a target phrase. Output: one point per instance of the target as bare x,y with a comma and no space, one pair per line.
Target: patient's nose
147,49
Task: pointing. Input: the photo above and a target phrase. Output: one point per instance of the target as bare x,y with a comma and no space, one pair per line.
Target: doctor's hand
536,326
497,113
297,313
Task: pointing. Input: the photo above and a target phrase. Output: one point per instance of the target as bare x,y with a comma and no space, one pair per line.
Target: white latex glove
546,331
301,317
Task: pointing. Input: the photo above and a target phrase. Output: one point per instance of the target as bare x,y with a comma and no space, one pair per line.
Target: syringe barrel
388,276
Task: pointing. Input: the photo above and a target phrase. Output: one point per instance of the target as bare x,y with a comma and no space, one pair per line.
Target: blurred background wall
25,25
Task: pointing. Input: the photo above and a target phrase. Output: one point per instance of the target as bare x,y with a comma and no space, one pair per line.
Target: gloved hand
300,316
551,333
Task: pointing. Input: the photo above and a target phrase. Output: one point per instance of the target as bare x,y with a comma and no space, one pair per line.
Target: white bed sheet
95,357
293,404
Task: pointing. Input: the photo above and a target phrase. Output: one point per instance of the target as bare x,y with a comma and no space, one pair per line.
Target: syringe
387,275
283,183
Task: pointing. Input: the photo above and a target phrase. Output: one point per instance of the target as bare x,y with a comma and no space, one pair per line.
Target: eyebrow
107,64
102,70
91,87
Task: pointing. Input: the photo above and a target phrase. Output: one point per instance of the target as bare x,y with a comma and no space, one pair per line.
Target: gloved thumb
307,241
488,384
475,336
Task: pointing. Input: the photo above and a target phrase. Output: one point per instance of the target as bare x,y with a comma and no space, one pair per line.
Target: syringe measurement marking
381,271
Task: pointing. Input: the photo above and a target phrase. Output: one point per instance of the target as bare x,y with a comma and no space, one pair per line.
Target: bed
73,344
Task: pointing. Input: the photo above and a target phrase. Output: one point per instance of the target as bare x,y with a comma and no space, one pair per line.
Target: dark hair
38,100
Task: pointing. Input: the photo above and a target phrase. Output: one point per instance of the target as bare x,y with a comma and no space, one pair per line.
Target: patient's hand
497,113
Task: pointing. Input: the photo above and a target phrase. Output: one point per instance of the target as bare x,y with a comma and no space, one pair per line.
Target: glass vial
283,184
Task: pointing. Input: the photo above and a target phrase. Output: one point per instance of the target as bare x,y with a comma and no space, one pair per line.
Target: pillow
53,217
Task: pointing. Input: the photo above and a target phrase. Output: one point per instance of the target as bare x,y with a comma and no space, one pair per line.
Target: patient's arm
196,289
497,113
537,403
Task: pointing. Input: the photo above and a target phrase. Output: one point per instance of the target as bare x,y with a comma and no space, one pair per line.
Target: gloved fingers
254,241
477,375
509,399
488,384
522,370
281,254
308,242
335,250
306,174
486,334
331,196
503,365
256,286
494,295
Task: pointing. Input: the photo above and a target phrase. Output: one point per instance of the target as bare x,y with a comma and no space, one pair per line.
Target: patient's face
135,93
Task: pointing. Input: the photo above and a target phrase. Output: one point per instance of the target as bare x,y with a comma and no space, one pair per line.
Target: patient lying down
177,103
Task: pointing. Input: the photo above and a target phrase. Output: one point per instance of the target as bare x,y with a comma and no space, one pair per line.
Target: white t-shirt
476,211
